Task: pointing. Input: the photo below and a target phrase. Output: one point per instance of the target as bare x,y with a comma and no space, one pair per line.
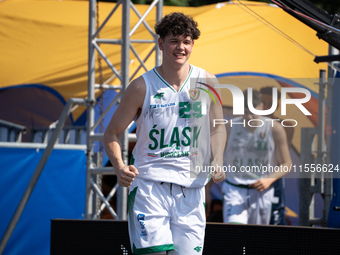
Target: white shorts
166,217
246,205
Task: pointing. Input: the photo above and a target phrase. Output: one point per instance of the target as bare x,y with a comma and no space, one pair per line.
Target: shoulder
211,79
137,86
277,130
210,75
135,93
201,70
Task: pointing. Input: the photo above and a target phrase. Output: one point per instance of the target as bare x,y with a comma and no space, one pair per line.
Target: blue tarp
59,193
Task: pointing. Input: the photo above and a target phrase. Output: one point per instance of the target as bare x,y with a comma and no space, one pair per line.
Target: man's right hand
126,175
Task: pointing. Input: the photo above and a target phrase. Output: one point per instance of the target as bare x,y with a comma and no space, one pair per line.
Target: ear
160,43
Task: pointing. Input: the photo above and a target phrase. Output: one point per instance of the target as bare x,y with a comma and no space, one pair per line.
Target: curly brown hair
257,98
177,23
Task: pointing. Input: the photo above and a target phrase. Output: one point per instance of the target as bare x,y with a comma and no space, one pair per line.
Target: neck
174,76
256,122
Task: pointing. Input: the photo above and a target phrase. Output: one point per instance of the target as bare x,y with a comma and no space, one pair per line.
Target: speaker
111,237
73,237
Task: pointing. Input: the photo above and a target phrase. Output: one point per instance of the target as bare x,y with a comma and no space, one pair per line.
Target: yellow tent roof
46,43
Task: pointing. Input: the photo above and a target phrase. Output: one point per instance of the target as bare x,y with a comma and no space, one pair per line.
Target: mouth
179,54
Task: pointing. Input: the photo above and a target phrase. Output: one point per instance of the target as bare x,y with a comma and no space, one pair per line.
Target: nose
180,45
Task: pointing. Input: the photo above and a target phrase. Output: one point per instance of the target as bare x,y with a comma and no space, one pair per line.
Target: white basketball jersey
250,155
173,131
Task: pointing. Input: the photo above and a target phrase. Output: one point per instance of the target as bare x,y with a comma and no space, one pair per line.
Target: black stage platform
111,237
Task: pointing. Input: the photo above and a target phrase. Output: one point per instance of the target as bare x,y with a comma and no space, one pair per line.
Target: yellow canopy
44,44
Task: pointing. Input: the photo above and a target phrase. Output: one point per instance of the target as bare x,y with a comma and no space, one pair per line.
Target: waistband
171,189
239,185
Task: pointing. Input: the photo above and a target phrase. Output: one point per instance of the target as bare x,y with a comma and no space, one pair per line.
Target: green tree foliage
330,6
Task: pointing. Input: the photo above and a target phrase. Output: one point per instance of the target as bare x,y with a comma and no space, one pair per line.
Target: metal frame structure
311,183
92,209
37,172
13,131
92,167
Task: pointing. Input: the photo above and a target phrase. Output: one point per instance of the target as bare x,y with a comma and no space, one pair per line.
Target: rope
273,27
333,29
280,32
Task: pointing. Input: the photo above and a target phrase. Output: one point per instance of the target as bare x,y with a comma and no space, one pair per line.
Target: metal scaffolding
310,184
93,169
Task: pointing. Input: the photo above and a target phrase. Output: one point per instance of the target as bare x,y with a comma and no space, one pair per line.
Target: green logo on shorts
198,248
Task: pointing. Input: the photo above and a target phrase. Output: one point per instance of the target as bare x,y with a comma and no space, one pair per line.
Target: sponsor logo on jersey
152,155
175,154
140,217
154,106
263,135
194,94
194,153
198,248
159,95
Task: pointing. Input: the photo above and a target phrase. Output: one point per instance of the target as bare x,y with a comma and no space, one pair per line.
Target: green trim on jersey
165,247
239,185
271,211
186,79
167,84
131,202
132,159
163,80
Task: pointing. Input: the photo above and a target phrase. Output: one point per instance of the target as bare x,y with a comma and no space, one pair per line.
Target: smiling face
176,49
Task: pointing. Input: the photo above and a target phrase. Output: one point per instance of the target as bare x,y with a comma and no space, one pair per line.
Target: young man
166,187
255,146
278,210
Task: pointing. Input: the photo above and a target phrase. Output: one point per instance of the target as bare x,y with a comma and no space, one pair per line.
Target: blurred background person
254,142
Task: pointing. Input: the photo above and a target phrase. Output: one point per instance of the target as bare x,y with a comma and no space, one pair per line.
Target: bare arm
282,156
281,151
218,134
131,103
217,142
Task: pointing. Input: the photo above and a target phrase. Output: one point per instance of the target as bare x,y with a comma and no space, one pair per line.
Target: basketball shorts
278,216
246,205
166,217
